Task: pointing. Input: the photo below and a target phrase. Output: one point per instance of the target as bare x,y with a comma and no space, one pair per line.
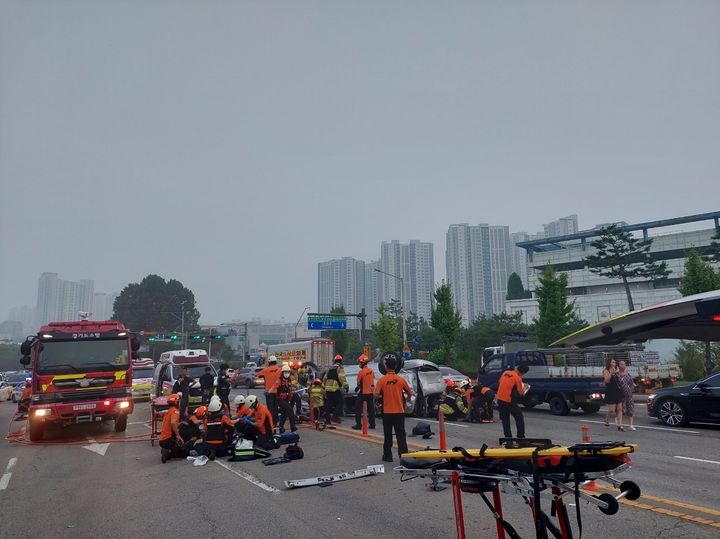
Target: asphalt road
121,489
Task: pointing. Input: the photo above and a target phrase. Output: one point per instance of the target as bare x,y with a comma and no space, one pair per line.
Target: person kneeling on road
191,428
217,441
481,399
171,443
394,391
451,402
243,416
261,423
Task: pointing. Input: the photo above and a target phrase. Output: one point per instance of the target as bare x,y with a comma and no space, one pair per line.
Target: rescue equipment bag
294,452
287,438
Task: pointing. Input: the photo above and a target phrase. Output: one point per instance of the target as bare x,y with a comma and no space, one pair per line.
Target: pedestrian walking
613,393
510,388
395,392
627,386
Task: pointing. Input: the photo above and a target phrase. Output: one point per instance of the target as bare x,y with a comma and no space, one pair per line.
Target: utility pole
182,324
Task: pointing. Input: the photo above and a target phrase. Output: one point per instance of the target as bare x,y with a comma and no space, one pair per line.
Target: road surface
102,486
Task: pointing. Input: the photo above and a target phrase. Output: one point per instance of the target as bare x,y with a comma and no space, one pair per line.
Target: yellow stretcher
532,468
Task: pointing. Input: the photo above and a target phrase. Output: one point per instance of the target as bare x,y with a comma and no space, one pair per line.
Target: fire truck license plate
84,407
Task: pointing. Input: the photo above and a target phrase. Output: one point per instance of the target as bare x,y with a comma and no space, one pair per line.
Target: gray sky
234,145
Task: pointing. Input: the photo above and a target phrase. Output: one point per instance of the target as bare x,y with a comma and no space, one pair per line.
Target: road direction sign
327,322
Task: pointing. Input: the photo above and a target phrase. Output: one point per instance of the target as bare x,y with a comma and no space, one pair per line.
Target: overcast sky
234,145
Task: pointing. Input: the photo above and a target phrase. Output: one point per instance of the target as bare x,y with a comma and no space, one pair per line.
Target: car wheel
672,413
558,405
121,422
37,431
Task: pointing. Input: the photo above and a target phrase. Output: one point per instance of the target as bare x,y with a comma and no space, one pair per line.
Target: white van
168,369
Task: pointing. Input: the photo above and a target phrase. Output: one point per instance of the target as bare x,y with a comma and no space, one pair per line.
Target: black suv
678,405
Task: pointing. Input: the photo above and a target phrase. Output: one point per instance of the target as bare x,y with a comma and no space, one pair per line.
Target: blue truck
562,390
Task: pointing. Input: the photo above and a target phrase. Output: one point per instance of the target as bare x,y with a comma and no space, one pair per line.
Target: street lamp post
182,322
402,302
306,309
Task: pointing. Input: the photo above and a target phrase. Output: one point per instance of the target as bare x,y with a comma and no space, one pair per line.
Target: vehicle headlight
124,404
40,412
651,397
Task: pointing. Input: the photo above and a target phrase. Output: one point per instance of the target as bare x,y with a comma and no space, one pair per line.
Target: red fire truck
82,373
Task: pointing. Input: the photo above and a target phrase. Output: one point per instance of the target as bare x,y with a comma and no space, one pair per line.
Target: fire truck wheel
121,423
37,431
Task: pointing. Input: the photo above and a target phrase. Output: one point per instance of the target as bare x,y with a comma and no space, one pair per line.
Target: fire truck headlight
40,412
124,404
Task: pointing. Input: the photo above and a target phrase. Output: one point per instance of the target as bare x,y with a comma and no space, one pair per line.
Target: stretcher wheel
632,489
609,499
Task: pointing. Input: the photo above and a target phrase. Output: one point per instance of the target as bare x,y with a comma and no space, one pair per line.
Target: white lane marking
252,479
95,447
675,430
450,423
697,460
5,479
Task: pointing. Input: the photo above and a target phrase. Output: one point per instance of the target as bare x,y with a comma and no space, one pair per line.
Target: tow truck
81,373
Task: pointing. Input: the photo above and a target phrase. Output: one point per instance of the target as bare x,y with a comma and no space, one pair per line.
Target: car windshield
451,371
142,373
83,356
16,377
195,371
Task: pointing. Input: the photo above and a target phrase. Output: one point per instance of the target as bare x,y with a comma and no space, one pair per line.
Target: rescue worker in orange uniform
171,443
365,388
242,413
394,391
452,403
191,428
217,439
480,400
24,402
510,387
285,393
271,375
262,423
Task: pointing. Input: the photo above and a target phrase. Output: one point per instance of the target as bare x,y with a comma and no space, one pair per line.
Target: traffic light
174,337
196,337
218,337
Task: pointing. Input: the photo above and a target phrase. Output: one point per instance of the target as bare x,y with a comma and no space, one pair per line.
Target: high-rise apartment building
59,300
103,305
413,267
562,227
342,282
468,269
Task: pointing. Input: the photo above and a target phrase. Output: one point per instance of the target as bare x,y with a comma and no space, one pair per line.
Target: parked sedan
17,380
245,377
676,406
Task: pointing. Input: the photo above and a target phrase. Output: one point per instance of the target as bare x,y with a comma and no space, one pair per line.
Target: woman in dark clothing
613,394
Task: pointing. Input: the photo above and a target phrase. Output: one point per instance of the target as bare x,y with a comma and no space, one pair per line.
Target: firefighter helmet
272,360
215,404
251,401
240,399
200,412
173,399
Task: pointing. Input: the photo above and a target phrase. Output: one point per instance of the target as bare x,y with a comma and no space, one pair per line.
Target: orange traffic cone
590,485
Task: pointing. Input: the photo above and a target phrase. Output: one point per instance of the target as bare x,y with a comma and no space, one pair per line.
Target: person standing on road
316,396
627,386
285,393
509,385
613,393
171,443
335,383
365,388
223,387
182,387
207,383
395,392
271,375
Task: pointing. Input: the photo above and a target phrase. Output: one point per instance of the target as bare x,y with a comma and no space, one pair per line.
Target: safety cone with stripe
590,485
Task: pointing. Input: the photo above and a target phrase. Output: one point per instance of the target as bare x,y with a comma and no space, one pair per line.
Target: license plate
84,407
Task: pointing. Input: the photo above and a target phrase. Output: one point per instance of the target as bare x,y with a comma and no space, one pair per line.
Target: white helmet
215,404
251,401
240,399
286,368
272,359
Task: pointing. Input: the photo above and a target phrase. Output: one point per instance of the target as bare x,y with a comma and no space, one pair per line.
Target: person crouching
217,441
171,442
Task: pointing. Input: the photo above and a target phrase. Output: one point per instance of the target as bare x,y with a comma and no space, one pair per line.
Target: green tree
556,315
155,304
691,357
713,250
447,321
698,277
619,255
428,336
515,288
385,331
342,337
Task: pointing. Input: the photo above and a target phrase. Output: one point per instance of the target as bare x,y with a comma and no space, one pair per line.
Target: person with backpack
395,392
285,393
335,383
217,439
